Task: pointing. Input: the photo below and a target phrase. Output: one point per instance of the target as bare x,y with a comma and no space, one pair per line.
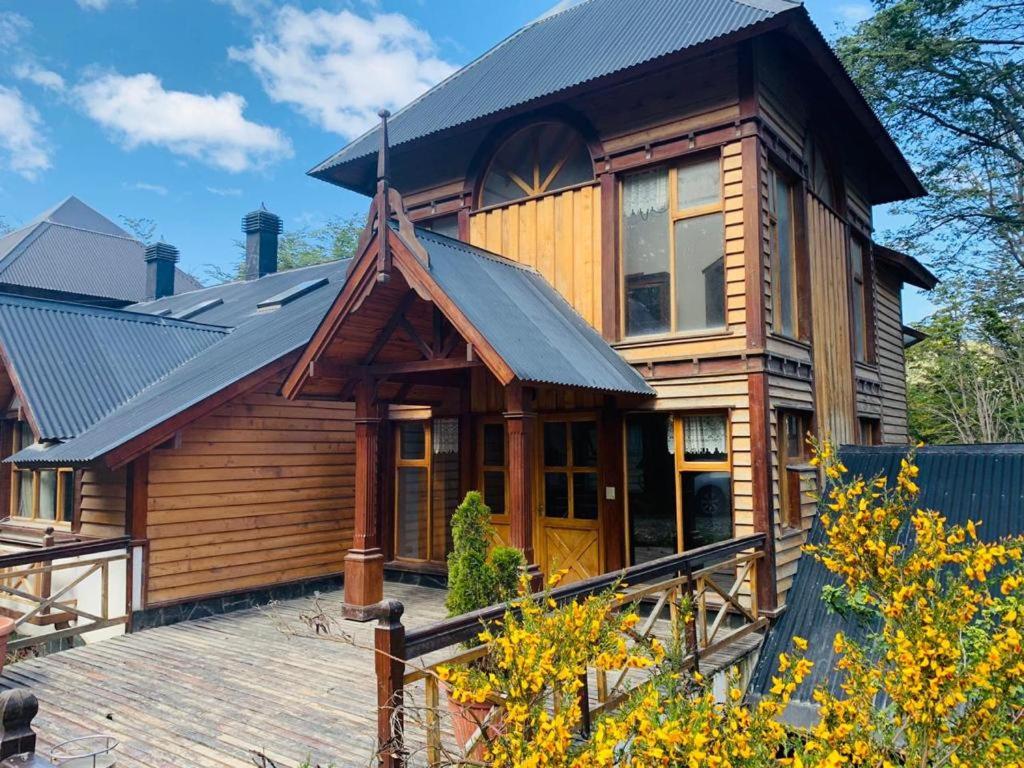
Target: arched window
536,160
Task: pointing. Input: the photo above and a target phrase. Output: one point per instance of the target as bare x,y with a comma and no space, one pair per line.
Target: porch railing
37,587
711,578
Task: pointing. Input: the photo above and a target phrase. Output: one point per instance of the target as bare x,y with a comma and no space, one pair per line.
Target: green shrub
478,577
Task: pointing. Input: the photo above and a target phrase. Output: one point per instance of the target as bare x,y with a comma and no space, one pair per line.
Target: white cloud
854,12
93,5
23,148
225,191
143,186
12,27
212,129
45,78
247,7
339,69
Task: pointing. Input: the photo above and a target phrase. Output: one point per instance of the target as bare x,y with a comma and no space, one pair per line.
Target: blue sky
192,112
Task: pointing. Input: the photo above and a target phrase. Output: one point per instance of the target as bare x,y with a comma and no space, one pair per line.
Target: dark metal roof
963,482
74,250
534,330
911,270
587,41
76,363
259,338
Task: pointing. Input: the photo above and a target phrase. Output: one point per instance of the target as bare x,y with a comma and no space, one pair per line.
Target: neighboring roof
527,322
963,482
258,339
75,363
912,336
911,270
582,43
72,249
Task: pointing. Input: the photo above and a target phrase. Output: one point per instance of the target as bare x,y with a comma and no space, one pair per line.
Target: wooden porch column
364,563
520,420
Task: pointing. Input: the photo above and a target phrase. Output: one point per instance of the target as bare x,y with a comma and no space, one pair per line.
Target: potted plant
479,575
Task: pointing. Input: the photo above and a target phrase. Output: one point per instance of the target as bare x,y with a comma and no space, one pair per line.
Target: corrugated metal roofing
75,250
259,339
975,482
582,43
536,332
77,363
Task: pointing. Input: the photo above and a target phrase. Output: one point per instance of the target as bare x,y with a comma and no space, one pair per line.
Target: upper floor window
861,300
821,175
673,249
534,161
444,225
44,495
781,220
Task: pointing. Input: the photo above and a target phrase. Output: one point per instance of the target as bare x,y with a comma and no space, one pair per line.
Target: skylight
195,309
300,289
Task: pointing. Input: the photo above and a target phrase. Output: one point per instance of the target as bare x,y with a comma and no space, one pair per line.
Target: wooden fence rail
28,595
711,579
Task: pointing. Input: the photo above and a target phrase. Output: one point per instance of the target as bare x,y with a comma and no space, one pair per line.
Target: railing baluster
389,664
433,722
105,590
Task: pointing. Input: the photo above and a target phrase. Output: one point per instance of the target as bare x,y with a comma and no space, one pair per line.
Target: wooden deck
216,691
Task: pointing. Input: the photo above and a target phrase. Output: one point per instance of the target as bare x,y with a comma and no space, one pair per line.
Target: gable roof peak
72,212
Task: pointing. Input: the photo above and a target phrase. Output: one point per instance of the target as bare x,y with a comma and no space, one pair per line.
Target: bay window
43,495
673,249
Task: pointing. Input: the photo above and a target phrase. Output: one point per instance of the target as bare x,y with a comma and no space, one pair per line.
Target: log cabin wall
102,502
256,494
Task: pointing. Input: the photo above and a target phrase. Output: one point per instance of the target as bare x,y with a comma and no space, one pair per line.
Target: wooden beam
408,330
337,372
610,298
761,482
520,423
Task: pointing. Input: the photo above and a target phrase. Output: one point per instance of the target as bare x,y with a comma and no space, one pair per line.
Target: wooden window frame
874,437
682,465
482,468
424,463
675,214
776,174
569,469
60,497
862,292
790,501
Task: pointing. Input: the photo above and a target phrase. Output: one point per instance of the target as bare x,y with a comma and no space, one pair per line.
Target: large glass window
781,219
493,472
793,429
44,495
536,160
570,483
861,301
705,479
650,487
673,249
426,487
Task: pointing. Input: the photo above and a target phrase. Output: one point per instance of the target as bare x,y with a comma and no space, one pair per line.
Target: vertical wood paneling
830,299
259,492
890,356
559,235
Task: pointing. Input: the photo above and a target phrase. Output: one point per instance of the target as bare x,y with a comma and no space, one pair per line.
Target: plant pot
6,629
466,718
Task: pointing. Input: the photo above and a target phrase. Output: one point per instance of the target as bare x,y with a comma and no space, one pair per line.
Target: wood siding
559,235
258,493
830,302
890,355
103,502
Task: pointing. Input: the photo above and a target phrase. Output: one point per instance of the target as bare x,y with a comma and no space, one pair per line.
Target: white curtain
645,193
704,435
445,436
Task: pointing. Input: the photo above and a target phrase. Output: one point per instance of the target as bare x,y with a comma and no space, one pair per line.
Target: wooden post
520,420
17,709
389,664
45,584
613,487
364,563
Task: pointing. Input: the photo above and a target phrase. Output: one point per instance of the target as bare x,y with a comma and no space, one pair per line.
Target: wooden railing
27,581
718,581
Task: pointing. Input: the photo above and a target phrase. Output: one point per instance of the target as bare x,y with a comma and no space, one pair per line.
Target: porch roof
535,331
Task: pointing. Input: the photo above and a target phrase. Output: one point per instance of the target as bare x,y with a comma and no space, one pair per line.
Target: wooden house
695,178
614,271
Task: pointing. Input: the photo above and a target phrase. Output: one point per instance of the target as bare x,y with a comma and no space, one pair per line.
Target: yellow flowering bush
936,680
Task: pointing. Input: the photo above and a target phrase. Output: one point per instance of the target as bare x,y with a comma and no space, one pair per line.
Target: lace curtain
645,193
704,437
445,436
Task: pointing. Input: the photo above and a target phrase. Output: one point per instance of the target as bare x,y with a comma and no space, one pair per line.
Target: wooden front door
569,499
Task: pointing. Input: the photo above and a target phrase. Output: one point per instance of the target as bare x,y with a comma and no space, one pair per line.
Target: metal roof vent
160,261
293,293
261,228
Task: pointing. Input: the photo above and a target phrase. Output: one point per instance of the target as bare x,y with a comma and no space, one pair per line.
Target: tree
141,228
965,381
336,239
947,79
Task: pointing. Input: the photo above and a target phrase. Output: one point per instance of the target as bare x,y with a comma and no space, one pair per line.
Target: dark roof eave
912,270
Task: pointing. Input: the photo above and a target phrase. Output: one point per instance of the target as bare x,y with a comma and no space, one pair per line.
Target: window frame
790,493
424,463
570,470
777,173
683,465
675,214
864,296
60,495
874,430
482,468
